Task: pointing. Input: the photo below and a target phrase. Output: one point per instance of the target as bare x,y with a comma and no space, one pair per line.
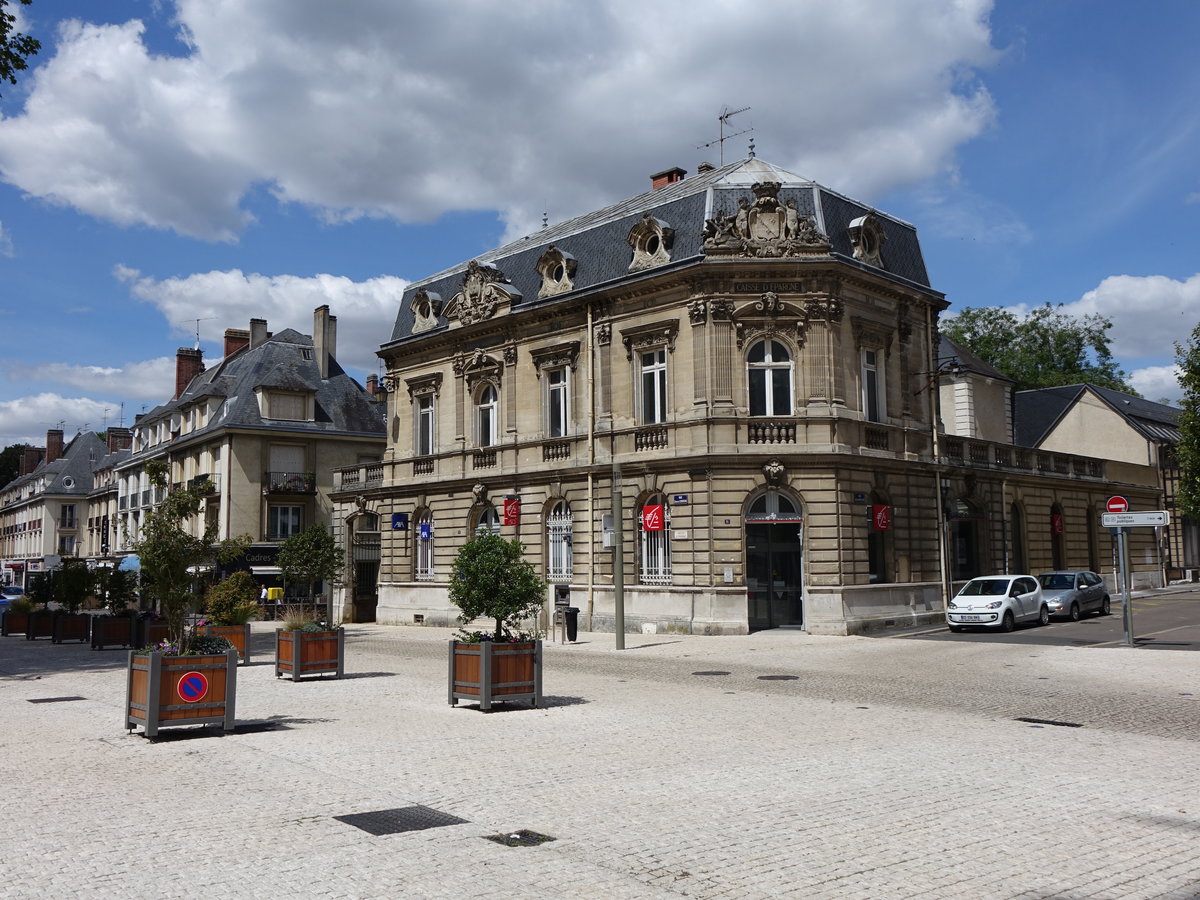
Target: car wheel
1044,615
1008,623
1105,606
1074,612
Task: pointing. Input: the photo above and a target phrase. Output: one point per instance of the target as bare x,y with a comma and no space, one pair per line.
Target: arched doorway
965,527
1058,550
362,581
774,554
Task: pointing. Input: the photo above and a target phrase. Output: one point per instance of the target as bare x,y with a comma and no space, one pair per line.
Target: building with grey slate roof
740,370
261,431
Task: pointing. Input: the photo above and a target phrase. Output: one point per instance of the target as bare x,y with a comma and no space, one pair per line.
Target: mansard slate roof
284,361
948,350
597,241
1036,412
71,473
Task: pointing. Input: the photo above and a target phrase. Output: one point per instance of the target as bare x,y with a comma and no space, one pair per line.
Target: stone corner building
729,386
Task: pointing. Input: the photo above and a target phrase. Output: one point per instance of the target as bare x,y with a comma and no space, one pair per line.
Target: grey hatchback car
1070,594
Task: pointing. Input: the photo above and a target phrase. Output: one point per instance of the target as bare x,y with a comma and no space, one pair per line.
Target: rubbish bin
572,616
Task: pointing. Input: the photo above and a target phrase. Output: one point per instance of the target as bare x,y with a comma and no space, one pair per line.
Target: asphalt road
1161,621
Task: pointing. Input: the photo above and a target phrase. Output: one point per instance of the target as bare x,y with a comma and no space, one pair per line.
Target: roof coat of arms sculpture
484,289
764,229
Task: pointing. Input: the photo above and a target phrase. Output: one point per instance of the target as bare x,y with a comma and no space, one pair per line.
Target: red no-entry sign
1117,505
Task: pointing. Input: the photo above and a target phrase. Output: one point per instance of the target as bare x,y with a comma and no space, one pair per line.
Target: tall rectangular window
424,442
653,375
283,522
66,517
424,546
872,383
557,403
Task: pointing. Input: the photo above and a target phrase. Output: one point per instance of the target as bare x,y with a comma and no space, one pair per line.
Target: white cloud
398,110
150,380
26,419
1149,313
231,299
1158,383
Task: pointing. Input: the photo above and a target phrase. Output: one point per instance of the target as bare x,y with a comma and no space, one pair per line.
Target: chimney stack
667,176
704,168
258,332
188,364
236,339
54,444
119,439
324,338
372,385
31,458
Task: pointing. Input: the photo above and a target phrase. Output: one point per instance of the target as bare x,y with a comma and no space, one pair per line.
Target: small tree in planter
115,588
309,557
229,606
304,646
71,585
491,579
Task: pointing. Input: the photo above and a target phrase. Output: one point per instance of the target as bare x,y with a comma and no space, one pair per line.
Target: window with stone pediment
487,414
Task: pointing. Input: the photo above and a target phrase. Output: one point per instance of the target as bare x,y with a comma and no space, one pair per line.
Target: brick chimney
324,338
236,339
704,168
119,439
188,364
372,385
31,458
54,444
258,332
668,176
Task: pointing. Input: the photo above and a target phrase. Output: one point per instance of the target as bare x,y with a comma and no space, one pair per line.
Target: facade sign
881,516
679,499
1134,519
512,511
1056,523
425,531
652,518
399,521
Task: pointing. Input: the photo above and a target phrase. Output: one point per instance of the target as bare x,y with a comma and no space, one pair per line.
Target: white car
997,601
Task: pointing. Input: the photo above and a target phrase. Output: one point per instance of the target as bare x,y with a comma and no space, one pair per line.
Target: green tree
72,584
491,579
116,588
234,601
309,557
1187,451
10,462
1046,348
15,48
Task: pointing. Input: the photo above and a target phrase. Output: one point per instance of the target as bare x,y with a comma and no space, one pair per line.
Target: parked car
1071,594
997,601
10,592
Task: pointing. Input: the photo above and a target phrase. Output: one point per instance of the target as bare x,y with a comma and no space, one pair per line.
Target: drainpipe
591,484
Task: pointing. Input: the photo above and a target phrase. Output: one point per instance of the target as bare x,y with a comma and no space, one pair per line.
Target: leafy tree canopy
1187,451
10,462
310,556
491,579
15,48
1046,348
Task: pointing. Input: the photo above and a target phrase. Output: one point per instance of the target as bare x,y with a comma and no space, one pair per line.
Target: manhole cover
778,677
395,821
1048,722
56,699
522,838
716,672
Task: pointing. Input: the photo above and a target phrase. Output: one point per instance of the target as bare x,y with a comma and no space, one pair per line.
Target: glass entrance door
774,545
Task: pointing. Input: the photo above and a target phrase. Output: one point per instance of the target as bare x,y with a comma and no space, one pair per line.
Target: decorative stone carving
554,357
643,337
424,384
721,310
775,473
483,291
868,238
904,324
651,240
557,270
824,309
698,311
769,304
604,334
766,228
478,366
870,335
480,490
510,355
426,306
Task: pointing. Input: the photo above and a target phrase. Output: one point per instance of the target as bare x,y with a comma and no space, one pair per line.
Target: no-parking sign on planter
193,686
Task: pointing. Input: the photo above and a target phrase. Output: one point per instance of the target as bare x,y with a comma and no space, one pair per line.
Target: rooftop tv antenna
198,321
723,119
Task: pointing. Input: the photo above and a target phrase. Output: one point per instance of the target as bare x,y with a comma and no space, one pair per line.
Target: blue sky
215,160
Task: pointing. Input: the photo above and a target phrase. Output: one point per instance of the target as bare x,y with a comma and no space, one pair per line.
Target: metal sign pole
1127,609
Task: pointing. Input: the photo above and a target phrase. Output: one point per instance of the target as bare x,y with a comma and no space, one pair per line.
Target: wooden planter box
300,653
13,622
164,691
39,625
72,627
238,635
113,631
490,671
150,631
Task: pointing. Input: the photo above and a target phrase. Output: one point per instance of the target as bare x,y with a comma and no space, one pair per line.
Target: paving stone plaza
769,765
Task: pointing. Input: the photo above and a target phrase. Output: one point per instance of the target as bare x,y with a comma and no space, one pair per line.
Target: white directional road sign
1133,519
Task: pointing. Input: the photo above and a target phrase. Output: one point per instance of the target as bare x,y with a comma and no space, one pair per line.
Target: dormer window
557,270
290,406
651,240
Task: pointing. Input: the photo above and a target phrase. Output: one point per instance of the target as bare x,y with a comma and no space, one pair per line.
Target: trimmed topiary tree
491,579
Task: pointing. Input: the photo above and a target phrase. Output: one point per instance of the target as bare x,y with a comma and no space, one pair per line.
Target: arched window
769,376
487,408
424,545
1058,549
559,539
879,544
488,522
654,540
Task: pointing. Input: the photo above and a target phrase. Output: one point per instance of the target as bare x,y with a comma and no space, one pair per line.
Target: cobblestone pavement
817,767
